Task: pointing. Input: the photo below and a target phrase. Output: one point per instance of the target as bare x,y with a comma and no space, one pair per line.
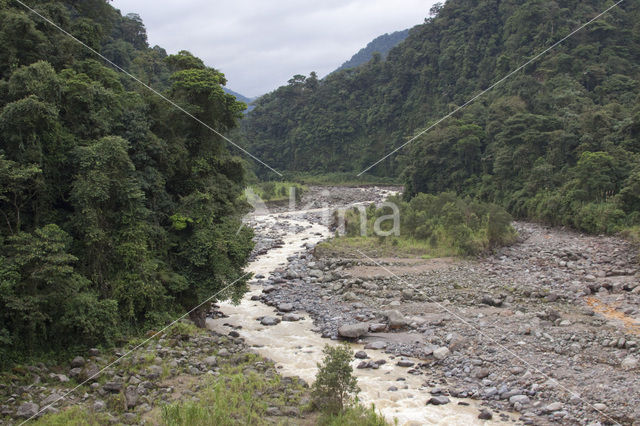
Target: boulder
285,307
353,331
113,387
377,327
270,321
27,410
441,353
521,399
211,361
438,400
377,345
77,362
629,363
396,319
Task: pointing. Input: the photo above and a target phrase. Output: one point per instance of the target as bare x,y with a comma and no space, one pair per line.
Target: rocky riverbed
545,331
548,327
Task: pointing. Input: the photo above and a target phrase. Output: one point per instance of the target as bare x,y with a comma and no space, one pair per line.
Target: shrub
335,386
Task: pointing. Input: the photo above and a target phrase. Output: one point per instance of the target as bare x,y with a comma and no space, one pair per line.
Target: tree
19,186
335,386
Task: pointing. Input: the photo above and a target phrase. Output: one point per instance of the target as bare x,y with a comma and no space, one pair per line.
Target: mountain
558,141
238,96
382,45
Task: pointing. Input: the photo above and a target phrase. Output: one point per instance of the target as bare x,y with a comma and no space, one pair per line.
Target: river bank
547,327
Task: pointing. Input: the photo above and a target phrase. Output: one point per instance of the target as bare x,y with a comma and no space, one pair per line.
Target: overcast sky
260,44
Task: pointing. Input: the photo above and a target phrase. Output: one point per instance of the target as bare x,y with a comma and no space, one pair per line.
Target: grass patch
383,247
239,395
74,416
356,415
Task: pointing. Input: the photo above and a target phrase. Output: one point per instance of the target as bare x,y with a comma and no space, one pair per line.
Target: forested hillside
381,44
116,210
559,141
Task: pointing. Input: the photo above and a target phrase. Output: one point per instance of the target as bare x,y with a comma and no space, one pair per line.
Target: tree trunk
199,316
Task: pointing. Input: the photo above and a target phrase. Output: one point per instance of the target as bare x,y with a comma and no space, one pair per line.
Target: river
296,348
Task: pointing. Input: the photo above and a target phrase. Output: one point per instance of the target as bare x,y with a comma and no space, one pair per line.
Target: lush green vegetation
116,210
427,225
278,190
340,179
557,142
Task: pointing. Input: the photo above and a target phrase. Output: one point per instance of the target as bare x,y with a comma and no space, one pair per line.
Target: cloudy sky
260,44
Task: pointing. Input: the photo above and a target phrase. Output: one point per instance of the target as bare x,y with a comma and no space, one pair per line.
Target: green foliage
116,210
544,144
335,385
439,225
278,191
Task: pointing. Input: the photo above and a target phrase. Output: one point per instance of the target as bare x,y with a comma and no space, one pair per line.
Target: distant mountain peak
381,44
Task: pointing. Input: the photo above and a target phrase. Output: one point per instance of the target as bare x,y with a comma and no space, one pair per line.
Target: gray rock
405,363
377,345
113,387
316,273
224,353
90,371
396,319
99,405
131,396
211,361
94,352
554,406
54,397
377,327
485,414
270,320
285,307
291,317
353,331
629,363
491,301
77,362
483,372
350,296
438,400
27,410
154,372
361,355
61,378
441,353
520,399
273,412
75,372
